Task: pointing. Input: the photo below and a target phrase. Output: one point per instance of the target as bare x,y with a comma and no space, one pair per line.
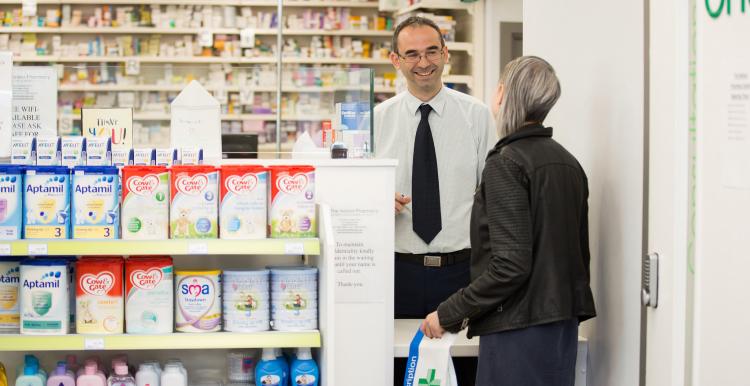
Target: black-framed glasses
432,55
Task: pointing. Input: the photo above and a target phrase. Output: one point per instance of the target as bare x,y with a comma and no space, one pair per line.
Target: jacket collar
530,130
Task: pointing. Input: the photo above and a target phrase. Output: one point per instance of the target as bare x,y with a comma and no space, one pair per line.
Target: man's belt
436,259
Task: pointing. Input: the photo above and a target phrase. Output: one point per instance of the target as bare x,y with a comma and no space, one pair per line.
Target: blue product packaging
304,370
46,202
99,151
23,151
270,370
11,202
72,151
96,202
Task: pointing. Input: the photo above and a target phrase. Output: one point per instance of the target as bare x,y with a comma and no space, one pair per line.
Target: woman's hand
431,326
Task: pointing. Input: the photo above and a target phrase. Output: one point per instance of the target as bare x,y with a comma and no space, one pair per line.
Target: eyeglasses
432,55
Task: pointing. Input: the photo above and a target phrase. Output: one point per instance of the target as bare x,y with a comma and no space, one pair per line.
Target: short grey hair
530,89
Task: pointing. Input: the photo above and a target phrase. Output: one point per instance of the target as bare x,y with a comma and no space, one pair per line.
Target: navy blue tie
425,186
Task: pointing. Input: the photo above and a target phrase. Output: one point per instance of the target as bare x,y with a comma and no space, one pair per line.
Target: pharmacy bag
429,362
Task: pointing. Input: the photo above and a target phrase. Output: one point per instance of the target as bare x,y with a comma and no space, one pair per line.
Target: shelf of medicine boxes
195,59
307,246
178,88
191,31
254,3
437,5
174,341
147,116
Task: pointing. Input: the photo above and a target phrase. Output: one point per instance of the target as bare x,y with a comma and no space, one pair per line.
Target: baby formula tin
294,298
145,203
99,297
246,300
46,202
198,295
194,212
243,211
292,208
11,202
96,202
44,296
149,304
9,283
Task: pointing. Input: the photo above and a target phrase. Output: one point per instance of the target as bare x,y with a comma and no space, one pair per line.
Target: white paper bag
429,362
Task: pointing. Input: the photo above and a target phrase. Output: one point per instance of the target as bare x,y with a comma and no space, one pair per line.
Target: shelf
189,31
175,341
165,247
178,88
244,3
461,79
195,59
224,117
453,5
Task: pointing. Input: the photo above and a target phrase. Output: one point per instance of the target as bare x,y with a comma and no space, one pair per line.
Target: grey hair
530,89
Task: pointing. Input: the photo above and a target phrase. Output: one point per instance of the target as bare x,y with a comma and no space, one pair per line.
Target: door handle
650,280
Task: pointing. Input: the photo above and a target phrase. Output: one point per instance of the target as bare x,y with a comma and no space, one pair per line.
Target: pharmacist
440,138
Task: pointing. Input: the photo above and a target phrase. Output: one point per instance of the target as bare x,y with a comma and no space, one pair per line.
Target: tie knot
425,110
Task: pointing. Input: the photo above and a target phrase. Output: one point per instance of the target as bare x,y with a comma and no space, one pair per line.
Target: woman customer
529,244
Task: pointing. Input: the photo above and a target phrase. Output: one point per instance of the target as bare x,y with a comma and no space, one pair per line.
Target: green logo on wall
716,7
430,380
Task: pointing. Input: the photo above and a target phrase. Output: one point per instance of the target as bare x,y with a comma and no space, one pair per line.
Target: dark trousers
543,355
419,291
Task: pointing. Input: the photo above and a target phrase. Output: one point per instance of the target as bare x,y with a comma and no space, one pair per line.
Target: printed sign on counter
34,101
116,123
6,102
196,120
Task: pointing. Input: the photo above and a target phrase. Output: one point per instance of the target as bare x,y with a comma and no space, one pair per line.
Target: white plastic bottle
147,375
173,375
121,377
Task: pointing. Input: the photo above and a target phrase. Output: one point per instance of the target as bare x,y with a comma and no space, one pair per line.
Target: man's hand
431,326
401,201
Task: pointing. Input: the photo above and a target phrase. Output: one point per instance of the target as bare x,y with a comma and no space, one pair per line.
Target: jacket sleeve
508,214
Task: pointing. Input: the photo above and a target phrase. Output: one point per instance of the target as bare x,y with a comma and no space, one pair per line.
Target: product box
99,295
11,202
46,202
122,157
98,151
244,198
166,157
23,151
73,151
191,156
144,157
291,212
149,289
145,203
194,209
96,202
48,151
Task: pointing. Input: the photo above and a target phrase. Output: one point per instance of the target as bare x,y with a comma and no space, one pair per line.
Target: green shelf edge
308,246
174,341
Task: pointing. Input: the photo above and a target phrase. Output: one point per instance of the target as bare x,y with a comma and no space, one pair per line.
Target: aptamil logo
10,277
716,8
143,186
48,280
292,184
55,184
85,189
241,184
191,185
8,184
97,285
146,280
195,288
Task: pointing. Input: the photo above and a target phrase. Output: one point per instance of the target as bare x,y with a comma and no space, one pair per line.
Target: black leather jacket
529,240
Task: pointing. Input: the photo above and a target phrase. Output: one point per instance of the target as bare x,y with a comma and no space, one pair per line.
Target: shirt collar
437,102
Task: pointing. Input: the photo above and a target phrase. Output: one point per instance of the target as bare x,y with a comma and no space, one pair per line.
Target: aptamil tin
11,202
294,298
96,202
198,301
9,283
246,300
46,202
44,296
149,300
99,297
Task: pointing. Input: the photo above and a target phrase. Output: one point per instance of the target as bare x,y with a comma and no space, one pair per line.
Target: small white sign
28,8
294,249
247,97
93,344
133,67
247,38
197,248
4,249
205,38
37,249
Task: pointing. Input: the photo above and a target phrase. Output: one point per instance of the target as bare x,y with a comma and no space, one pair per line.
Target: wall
496,11
597,49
